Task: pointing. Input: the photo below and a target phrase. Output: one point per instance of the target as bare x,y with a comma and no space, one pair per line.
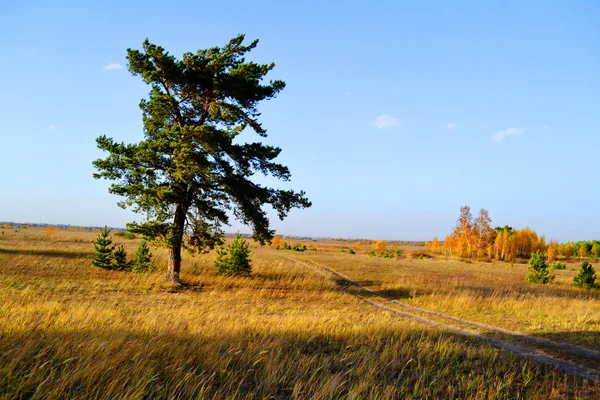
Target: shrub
235,260
398,253
343,250
130,235
142,259
103,250
351,251
371,253
51,231
120,234
586,278
299,247
538,271
386,254
121,263
559,265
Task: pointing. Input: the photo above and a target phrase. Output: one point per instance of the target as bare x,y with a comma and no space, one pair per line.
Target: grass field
69,330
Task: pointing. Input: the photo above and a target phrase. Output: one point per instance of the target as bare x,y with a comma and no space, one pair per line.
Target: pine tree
142,259
235,260
121,262
103,256
193,170
586,278
538,271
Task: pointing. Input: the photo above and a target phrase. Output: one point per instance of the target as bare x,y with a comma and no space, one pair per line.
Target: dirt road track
455,327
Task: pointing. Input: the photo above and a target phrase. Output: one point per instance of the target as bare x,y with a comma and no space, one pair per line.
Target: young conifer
235,260
103,255
121,262
538,271
586,278
142,259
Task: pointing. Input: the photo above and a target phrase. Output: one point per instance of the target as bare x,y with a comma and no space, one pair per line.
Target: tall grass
69,330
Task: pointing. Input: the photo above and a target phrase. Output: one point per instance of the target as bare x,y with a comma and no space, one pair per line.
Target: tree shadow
256,363
47,253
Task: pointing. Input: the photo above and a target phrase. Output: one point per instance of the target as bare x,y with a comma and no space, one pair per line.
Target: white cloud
451,127
385,121
346,93
52,128
112,67
503,134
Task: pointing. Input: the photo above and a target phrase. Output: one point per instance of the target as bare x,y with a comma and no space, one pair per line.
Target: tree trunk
174,265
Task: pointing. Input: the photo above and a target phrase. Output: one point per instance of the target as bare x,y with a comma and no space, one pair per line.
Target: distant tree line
475,238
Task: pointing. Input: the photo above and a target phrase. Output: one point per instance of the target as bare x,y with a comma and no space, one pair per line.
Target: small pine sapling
142,259
121,263
103,250
538,271
559,265
586,278
235,260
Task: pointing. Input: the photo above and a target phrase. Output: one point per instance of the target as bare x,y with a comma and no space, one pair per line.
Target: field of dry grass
493,293
69,330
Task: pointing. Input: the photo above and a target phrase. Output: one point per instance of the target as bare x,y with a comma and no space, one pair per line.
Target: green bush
559,265
351,251
386,254
342,250
371,253
142,259
297,247
130,235
398,253
103,250
235,260
538,271
120,234
586,278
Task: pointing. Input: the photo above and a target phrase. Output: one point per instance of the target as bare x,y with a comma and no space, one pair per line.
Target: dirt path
454,325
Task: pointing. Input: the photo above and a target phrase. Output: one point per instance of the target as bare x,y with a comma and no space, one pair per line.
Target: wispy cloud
346,93
385,121
503,134
452,127
52,128
112,67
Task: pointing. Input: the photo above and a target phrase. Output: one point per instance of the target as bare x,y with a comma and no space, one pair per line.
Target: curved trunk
174,264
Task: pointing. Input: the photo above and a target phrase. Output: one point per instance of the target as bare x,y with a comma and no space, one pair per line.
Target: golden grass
488,292
68,330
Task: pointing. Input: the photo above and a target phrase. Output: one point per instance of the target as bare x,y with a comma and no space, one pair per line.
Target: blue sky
395,114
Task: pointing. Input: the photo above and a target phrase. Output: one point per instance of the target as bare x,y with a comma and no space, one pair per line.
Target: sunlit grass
69,330
489,292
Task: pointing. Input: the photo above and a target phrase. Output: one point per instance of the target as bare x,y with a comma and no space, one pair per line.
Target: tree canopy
190,170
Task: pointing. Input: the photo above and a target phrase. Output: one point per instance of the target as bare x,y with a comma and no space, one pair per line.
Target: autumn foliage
475,238
277,242
378,245
51,231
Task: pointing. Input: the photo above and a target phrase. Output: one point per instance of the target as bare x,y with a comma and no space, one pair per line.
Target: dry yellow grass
69,330
494,293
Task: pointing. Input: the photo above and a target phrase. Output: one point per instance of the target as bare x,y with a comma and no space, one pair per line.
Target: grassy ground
493,293
68,330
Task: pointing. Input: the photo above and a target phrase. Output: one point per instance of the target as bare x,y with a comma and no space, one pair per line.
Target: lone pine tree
191,168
